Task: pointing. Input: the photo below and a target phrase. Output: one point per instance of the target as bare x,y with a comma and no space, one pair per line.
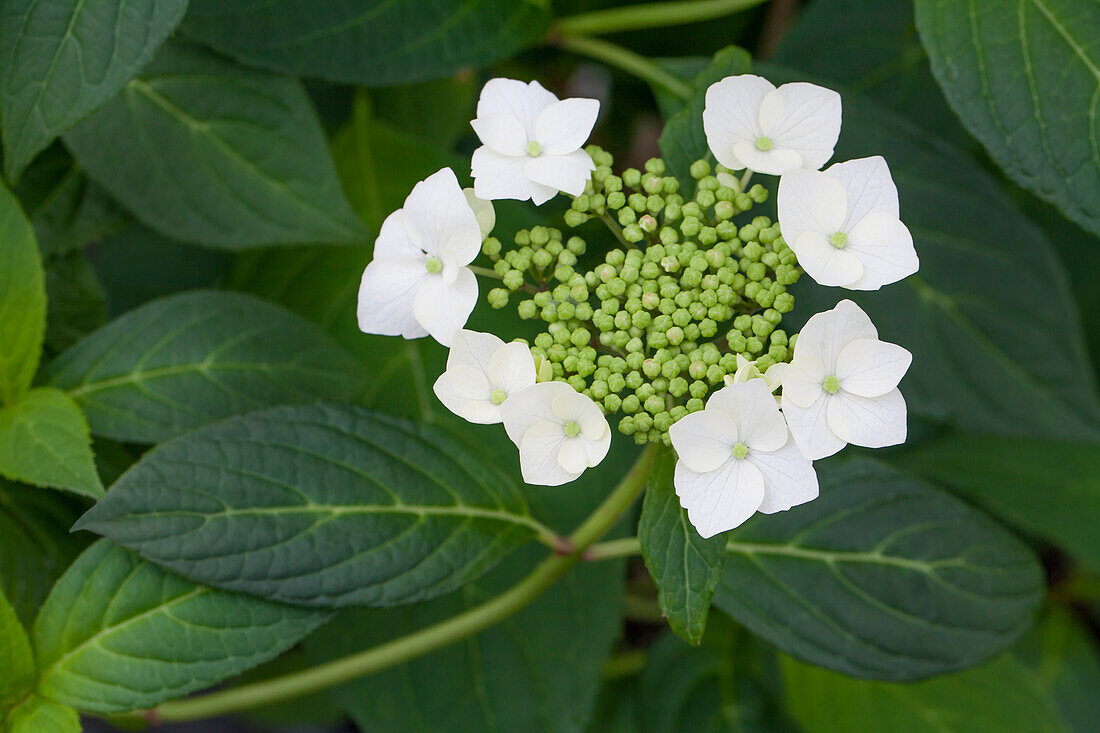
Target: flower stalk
651,15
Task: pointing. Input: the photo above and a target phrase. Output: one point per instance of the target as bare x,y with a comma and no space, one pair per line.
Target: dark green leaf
15,649
22,300
40,715
64,58
451,100
77,303
44,441
118,633
881,577
191,359
1024,77
205,151
685,567
1061,654
322,505
368,42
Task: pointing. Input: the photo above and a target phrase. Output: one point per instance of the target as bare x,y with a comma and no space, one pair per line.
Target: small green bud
700,169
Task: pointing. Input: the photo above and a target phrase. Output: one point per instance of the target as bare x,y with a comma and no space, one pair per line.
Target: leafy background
191,191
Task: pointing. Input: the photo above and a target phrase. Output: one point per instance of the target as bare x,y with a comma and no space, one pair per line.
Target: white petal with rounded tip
810,428
826,264
529,406
394,241
704,440
803,117
731,115
503,133
444,308
473,349
564,126
437,213
802,382
810,201
387,295
719,500
595,450
774,162
869,186
539,454
872,422
464,391
789,478
826,333
483,210
594,425
499,176
885,247
751,407
571,456
508,96
775,375
871,368
568,173
511,368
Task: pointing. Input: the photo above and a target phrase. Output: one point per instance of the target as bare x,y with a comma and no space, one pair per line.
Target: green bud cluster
655,326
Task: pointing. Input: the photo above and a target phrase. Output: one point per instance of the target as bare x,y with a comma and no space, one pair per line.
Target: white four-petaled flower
843,225
841,386
482,373
736,457
749,123
559,432
531,142
418,282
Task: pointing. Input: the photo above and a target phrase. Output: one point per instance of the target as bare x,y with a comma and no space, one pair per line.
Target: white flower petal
530,406
869,186
803,117
464,391
438,215
595,449
394,239
731,115
564,126
572,406
571,456
871,368
826,333
568,173
826,264
508,96
789,478
775,375
499,176
803,379
773,162
872,422
511,368
810,428
473,349
443,308
539,455
885,247
504,133
751,407
719,500
810,201
483,210
704,440
387,295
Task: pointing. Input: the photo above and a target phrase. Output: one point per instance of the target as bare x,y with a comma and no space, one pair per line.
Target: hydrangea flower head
531,142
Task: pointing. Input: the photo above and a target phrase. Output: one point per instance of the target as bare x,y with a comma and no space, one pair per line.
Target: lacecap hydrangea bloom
674,323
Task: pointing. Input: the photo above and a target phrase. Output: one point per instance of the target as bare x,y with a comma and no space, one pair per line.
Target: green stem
624,665
636,17
626,547
628,61
484,272
615,229
428,639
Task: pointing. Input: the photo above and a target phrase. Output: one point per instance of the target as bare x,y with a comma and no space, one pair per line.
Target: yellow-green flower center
498,396
572,429
839,240
534,149
831,385
763,144
433,265
740,450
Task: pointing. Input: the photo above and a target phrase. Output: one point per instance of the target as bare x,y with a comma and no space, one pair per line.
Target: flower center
498,396
763,144
839,240
433,265
572,429
831,385
740,450
534,149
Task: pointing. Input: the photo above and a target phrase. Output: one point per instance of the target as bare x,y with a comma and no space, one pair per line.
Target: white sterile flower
418,283
483,372
737,458
531,142
751,124
559,432
746,370
841,386
843,225
483,210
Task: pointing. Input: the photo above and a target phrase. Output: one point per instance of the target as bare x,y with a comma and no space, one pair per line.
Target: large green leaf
44,441
40,715
1062,656
77,301
882,577
205,151
685,567
22,300
118,633
1046,487
319,505
1024,77
191,359
368,42
64,58
15,650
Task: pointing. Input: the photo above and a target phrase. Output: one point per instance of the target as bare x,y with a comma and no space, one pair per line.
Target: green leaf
225,156
64,58
39,715
118,633
15,649
323,505
1024,77
368,42
44,441
191,359
77,302
1049,488
683,141
1062,656
22,300
35,543
881,577
685,567
452,100
998,696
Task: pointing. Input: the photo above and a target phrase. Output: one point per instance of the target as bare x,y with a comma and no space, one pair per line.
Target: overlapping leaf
22,300
15,650
42,715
